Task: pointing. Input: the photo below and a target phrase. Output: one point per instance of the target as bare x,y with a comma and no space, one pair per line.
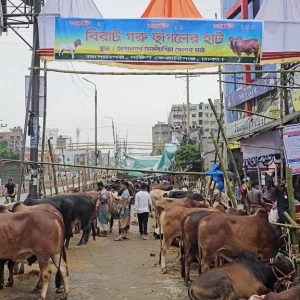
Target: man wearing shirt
10,188
141,209
281,196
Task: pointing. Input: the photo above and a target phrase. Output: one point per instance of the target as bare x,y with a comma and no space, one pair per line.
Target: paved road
104,269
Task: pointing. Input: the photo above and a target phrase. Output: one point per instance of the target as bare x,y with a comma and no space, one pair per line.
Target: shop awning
172,9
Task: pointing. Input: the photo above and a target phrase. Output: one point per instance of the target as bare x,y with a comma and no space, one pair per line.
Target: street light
96,133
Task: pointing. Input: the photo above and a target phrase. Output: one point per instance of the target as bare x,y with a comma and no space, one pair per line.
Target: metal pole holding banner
281,126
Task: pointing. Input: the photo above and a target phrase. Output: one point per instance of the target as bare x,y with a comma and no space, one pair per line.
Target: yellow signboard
296,101
273,111
234,145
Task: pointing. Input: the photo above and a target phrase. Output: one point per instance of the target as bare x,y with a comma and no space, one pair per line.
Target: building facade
161,135
13,137
202,119
244,128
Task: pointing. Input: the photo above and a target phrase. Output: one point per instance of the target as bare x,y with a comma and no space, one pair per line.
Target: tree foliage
6,152
188,157
159,151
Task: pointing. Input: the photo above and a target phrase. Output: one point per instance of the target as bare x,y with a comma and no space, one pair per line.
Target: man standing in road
141,209
281,196
10,188
102,210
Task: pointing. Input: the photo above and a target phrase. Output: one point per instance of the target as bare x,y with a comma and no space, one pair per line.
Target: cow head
284,284
230,42
77,43
282,266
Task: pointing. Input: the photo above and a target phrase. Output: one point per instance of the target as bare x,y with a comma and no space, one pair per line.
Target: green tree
6,152
159,151
188,157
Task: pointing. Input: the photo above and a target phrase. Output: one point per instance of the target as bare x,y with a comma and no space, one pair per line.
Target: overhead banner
158,40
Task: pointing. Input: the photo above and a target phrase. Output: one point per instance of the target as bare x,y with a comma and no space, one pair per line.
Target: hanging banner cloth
164,41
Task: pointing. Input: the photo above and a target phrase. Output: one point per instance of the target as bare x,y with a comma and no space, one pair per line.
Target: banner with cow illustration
177,41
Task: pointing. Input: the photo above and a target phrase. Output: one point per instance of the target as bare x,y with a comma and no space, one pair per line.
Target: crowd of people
272,195
142,208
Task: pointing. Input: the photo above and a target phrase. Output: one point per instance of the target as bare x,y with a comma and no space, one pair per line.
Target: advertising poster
159,40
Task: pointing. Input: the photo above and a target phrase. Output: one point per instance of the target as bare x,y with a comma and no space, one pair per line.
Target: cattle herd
239,255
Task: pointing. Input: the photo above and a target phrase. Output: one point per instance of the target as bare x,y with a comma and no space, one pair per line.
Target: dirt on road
105,269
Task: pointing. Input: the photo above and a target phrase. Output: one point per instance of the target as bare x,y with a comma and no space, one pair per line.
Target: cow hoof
164,271
35,291
21,273
9,284
60,290
79,244
1,286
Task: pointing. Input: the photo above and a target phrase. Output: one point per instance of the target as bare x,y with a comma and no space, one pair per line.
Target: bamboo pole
251,112
236,172
281,127
50,180
290,190
78,179
256,146
110,168
222,164
63,156
265,85
44,130
221,120
53,167
155,73
286,225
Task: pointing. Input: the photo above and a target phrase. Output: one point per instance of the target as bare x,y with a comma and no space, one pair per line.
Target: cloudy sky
135,103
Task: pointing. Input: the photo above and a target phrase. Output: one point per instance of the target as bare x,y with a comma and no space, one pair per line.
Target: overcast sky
135,103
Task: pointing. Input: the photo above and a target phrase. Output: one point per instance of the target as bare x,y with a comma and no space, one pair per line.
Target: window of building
200,122
211,115
206,107
193,107
200,114
12,137
200,106
68,159
194,115
206,122
206,115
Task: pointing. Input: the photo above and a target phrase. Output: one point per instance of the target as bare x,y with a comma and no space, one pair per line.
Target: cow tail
191,294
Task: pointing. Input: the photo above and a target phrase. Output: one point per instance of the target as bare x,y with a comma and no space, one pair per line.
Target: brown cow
240,279
188,202
171,226
290,291
189,227
164,187
238,46
39,233
228,236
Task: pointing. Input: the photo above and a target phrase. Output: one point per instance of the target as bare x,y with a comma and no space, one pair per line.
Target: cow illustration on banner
178,41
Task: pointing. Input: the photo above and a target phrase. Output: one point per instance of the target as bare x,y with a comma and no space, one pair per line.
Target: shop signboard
161,41
291,140
251,91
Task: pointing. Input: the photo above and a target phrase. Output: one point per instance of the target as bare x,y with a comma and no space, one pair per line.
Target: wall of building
13,137
161,135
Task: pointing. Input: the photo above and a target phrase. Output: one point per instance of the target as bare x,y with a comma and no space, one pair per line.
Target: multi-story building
52,135
13,137
161,135
202,118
